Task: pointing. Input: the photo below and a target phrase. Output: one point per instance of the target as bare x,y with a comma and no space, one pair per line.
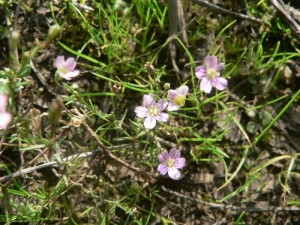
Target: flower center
153,111
211,73
63,70
179,100
170,162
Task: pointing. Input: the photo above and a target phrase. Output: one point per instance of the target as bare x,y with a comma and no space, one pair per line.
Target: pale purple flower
152,111
210,75
65,69
5,117
170,163
177,98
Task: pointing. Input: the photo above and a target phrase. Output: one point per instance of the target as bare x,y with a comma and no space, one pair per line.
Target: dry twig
293,24
235,209
177,27
221,10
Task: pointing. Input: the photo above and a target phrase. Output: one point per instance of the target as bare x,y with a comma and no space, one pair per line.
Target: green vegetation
100,163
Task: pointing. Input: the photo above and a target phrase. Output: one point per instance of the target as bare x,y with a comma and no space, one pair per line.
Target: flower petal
63,75
172,94
183,90
141,111
59,61
70,64
211,62
220,83
149,100
174,153
200,72
150,122
205,85
5,119
162,168
70,75
219,67
172,107
174,173
163,156
162,104
179,163
162,117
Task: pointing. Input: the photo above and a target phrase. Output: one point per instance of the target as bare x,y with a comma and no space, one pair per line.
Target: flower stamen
63,70
179,100
170,163
211,73
153,111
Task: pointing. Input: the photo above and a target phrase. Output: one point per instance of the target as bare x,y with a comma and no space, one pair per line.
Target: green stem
275,119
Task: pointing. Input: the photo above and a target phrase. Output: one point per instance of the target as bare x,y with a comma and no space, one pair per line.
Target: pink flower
5,117
65,69
152,111
177,98
210,75
170,163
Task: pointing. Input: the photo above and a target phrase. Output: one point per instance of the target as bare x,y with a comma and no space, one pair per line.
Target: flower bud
14,40
167,86
251,113
53,32
25,59
55,110
36,119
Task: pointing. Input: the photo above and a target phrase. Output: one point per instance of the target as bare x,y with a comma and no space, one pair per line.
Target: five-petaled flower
65,69
210,75
152,111
170,163
177,98
5,117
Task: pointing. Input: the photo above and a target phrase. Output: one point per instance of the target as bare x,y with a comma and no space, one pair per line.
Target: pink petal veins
70,64
172,94
162,104
219,67
150,122
60,61
183,90
179,163
220,83
162,117
205,85
141,111
174,153
163,156
162,168
211,61
149,100
200,72
172,107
